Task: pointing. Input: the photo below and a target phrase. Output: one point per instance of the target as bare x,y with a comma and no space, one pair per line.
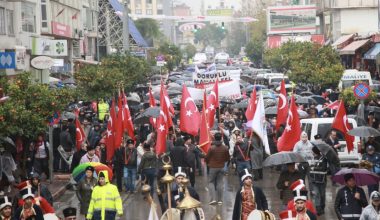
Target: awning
133,31
342,40
373,52
352,47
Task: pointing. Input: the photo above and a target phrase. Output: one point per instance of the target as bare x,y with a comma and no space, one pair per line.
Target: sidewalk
59,185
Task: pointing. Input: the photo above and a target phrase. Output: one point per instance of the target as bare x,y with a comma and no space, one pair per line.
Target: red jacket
44,205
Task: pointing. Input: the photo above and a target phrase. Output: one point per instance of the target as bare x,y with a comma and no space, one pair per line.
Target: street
135,208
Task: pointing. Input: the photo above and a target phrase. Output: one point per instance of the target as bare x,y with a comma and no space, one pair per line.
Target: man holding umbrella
350,200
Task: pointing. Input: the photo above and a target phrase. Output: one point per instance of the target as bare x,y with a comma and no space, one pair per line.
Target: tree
255,47
211,35
115,71
254,51
307,62
190,50
172,55
27,112
149,29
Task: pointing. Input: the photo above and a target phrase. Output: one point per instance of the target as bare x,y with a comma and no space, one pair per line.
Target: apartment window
44,23
149,1
2,21
10,24
138,11
160,11
28,17
149,11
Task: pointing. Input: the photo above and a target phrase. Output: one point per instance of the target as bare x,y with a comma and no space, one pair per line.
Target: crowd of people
302,186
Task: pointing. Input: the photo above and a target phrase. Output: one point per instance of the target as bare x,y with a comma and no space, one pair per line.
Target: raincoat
103,109
105,201
369,212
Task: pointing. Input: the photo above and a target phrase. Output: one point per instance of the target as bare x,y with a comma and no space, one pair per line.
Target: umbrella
306,100
8,140
322,146
284,157
80,171
319,99
143,118
156,77
306,93
133,101
363,177
364,131
225,100
269,102
241,105
302,114
271,110
68,115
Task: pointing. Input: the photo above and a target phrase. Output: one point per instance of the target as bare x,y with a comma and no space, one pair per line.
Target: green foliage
172,55
349,98
30,106
115,71
190,50
211,35
149,29
236,38
255,47
254,51
306,62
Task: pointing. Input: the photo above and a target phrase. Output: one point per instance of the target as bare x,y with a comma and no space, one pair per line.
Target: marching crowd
302,186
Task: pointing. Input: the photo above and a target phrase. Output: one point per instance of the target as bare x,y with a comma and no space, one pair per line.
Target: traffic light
195,28
222,25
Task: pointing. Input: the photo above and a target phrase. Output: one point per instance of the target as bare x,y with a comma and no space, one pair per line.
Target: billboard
49,47
276,41
292,19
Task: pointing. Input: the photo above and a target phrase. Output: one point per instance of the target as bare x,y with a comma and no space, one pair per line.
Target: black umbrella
271,110
133,101
319,99
156,77
225,100
306,100
8,140
306,93
364,131
284,157
322,146
143,118
241,105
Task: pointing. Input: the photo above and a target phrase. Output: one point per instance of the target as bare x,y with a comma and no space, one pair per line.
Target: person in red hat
29,210
38,200
300,185
288,215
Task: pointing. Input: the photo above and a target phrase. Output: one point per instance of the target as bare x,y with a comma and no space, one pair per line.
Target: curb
60,192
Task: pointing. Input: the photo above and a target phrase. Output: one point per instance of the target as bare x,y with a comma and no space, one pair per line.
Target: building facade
146,7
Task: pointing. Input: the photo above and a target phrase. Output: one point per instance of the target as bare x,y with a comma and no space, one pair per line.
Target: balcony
324,5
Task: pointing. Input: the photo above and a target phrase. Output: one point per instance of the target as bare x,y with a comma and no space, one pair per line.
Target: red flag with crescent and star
110,133
212,104
252,103
282,107
119,123
162,124
341,124
169,107
80,135
127,119
189,114
292,132
204,131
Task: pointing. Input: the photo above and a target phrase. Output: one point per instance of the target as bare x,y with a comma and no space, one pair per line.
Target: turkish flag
341,124
282,107
212,104
152,103
252,103
127,119
292,132
110,134
189,115
204,132
334,105
169,107
80,135
162,125
119,123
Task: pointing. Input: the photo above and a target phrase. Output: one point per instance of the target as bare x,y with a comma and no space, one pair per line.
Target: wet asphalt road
135,208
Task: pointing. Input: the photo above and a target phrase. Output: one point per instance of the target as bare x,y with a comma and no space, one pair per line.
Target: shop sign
49,47
42,62
61,29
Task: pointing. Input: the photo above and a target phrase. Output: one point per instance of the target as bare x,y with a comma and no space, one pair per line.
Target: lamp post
125,27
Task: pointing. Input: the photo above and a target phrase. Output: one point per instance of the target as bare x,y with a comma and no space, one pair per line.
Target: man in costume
5,208
300,185
288,215
248,198
40,201
70,213
300,198
28,211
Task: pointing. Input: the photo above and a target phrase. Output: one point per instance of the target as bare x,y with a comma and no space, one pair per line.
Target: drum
260,215
50,216
176,214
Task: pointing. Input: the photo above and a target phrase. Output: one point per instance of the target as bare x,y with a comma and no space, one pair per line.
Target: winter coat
260,200
44,192
177,156
76,159
369,212
124,153
105,199
217,155
318,170
240,152
84,191
86,159
304,149
37,216
257,152
66,141
190,156
346,205
7,166
148,160
94,137
375,160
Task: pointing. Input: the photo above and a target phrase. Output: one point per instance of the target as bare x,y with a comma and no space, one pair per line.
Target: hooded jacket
105,199
369,212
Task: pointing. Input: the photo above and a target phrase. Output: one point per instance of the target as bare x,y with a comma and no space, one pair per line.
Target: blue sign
7,60
362,90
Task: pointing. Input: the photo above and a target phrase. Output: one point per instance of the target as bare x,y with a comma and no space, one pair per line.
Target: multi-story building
146,7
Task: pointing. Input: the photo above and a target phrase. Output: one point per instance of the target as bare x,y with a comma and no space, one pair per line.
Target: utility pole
126,27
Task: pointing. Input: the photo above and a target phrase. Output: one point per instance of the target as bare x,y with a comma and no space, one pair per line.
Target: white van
352,76
322,126
199,58
221,58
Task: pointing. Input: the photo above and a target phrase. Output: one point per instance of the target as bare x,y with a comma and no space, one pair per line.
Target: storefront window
2,21
28,17
10,27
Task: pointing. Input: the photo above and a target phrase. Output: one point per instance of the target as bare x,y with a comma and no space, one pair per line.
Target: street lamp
125,26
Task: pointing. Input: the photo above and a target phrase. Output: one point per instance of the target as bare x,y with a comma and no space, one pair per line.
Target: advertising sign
229,90
61,29
7,60
20,57
42,62
220,12
48,47
211,74
276,41
292,19
188,27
